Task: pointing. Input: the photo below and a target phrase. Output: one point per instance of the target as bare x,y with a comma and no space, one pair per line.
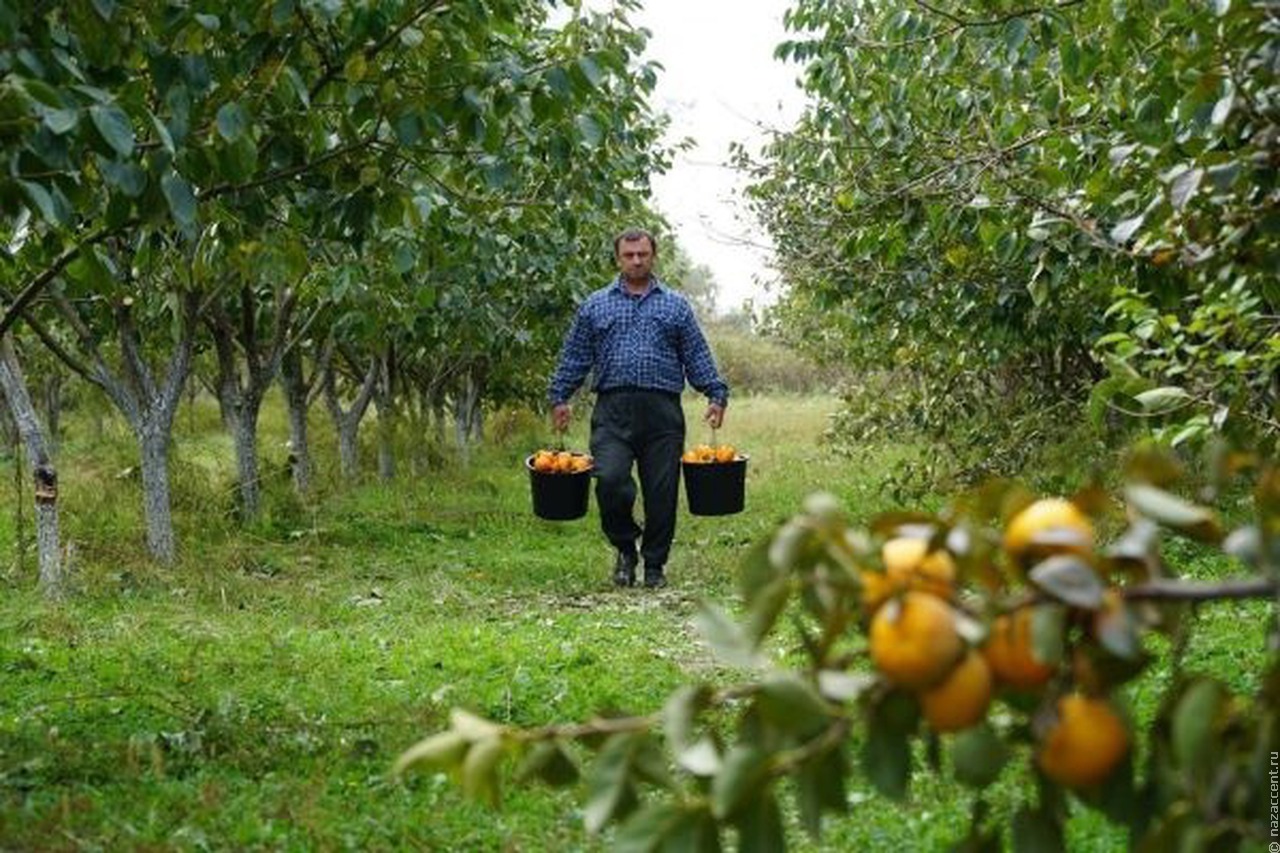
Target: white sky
721,84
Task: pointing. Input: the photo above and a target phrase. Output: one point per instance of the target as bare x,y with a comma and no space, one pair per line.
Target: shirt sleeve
699,364
575,360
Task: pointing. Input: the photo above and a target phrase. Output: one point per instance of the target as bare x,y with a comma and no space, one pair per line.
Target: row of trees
384,204
1036,202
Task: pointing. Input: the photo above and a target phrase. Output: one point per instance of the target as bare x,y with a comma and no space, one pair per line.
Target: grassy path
254,696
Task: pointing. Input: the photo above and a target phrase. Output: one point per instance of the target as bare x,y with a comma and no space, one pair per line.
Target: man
640,341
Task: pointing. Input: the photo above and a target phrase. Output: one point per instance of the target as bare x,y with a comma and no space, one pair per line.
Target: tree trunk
153,448
245,437
347,422
348,449
52,579
439,408
465,415
385,402
51,400
297,399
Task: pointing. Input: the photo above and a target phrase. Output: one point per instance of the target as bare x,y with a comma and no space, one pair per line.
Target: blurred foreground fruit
914,640
908,564
1048,526
1085,744
961,700
1010,655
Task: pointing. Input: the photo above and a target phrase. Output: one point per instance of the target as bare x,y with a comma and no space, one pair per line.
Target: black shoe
624,569
654,577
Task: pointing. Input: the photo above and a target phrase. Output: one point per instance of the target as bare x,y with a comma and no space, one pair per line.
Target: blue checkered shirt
650,341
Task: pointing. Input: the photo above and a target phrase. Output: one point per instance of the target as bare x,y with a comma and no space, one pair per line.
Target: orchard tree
1014,201
13,390
1001,638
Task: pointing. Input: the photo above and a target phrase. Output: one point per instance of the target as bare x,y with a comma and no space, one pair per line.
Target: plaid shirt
649,341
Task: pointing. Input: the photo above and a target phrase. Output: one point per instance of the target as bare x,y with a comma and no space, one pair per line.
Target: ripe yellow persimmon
962,698
1010,655
1085,744
915,643
1041,517
561,462
908,564
544,461
703,454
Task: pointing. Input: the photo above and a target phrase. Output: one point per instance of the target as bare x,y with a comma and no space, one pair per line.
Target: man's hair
635,234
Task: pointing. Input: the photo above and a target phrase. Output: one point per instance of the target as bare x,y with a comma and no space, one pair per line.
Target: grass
254,695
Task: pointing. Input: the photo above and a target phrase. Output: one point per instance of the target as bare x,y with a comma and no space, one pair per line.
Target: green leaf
1184,188
548,762
1048,627
1117,631
356,68
742,779
886,758
162,132
701,758
728,640
480,770
182,201
680,713
128,176
1070,580
841,686
1015,33
978,755
790,703
1194,721
61,121
760,827
765,607
610,792
89,269
820,787
471,727
41,201
1172,511
1125,229
443,751
589,131
1161,400
232,121
114,125
645,830
1222,109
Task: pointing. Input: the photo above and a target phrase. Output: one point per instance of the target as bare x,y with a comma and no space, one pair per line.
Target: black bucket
716,488
559,497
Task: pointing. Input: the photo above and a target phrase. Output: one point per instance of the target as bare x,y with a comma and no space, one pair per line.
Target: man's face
635,258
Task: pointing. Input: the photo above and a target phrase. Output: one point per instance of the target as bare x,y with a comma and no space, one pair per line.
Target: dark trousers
644,429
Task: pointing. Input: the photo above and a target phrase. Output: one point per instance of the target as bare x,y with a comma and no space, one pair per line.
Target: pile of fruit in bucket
705,454
560,462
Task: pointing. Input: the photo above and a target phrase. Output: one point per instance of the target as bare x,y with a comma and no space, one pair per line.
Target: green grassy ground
254,695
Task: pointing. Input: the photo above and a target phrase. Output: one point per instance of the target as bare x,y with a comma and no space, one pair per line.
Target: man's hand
714,416
560,416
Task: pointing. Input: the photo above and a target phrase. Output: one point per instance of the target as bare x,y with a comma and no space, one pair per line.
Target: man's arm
576,356
700,366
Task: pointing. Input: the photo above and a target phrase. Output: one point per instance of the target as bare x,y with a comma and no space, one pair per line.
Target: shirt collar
655,284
